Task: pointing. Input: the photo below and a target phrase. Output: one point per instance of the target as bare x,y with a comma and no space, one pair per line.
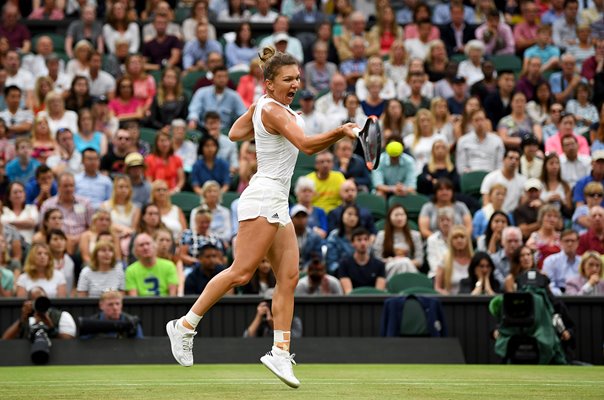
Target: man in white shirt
263,13
20,77
332,102
508,176
314,122
101,82
36,63
479,150
573,166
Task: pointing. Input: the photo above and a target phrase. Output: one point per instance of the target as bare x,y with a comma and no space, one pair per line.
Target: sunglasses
595,195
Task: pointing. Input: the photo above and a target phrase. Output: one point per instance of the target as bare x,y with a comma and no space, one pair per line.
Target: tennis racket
370,138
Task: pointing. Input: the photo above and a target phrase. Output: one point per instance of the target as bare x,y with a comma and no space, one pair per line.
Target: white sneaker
182,343
281,366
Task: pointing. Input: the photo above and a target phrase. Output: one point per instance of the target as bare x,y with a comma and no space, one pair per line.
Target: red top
167,170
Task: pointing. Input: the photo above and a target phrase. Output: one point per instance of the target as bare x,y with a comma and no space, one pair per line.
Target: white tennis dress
268,192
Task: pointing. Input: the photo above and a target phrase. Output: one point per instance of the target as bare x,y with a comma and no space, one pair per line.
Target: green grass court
319,381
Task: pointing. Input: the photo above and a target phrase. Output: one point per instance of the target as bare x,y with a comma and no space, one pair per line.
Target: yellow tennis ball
394,149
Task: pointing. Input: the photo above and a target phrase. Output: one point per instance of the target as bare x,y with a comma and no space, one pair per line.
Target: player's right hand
348,130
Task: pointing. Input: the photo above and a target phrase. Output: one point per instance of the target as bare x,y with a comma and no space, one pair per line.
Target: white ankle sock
279,352
193,319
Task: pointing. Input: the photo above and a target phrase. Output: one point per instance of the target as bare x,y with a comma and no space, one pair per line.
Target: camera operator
111,304
36,312
262,324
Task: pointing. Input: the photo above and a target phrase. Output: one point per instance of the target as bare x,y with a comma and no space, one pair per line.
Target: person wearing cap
281,40
508,176
294,46
309,242
566,127
525,215
530,165
456,102
101,82
594,193
396,174
479,149
496,35
314,122
596,175
141,187
210,264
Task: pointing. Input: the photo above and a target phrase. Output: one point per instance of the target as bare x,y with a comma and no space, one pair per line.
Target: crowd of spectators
511,92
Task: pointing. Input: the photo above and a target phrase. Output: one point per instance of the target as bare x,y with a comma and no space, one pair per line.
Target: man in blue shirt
596,175
195,53
217,97
22,168
90,183
40,188
396,172
563,265
209,266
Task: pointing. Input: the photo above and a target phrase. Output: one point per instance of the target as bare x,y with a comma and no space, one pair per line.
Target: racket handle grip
356,131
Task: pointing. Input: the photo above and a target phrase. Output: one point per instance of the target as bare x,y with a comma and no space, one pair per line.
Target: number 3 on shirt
152,285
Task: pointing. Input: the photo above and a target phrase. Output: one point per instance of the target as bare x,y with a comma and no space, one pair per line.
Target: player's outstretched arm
243,128
278,121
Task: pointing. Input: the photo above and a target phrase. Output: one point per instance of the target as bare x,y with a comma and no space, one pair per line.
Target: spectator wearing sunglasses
594,193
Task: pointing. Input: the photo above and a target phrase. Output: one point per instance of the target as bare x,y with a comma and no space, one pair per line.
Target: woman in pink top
125,105
144,84
566,128
422,11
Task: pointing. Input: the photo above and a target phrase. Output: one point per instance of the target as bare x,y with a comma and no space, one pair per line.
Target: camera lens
41,304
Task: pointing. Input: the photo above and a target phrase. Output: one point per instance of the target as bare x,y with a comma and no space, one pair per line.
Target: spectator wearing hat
294,46
525,215
314,122
508,176
496,35
596,175
566,128
141,187
457,101
309,242
479,149
396,173
457,33
594,193
530,165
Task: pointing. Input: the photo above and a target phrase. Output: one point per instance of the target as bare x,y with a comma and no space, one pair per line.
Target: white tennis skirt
267,198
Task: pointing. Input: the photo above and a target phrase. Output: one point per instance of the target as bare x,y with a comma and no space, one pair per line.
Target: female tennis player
265,227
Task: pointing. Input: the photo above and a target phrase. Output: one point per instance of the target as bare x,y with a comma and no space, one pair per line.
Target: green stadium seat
148,135
364,290
412,203
374,203
58,42
188,81
417,290
379,224
236,75
507,62
406,280
181,13
156,76
305,162
459,57
322,93
470,182
228,198
186,201
194,135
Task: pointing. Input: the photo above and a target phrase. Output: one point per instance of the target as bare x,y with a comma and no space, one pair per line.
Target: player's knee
242,278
